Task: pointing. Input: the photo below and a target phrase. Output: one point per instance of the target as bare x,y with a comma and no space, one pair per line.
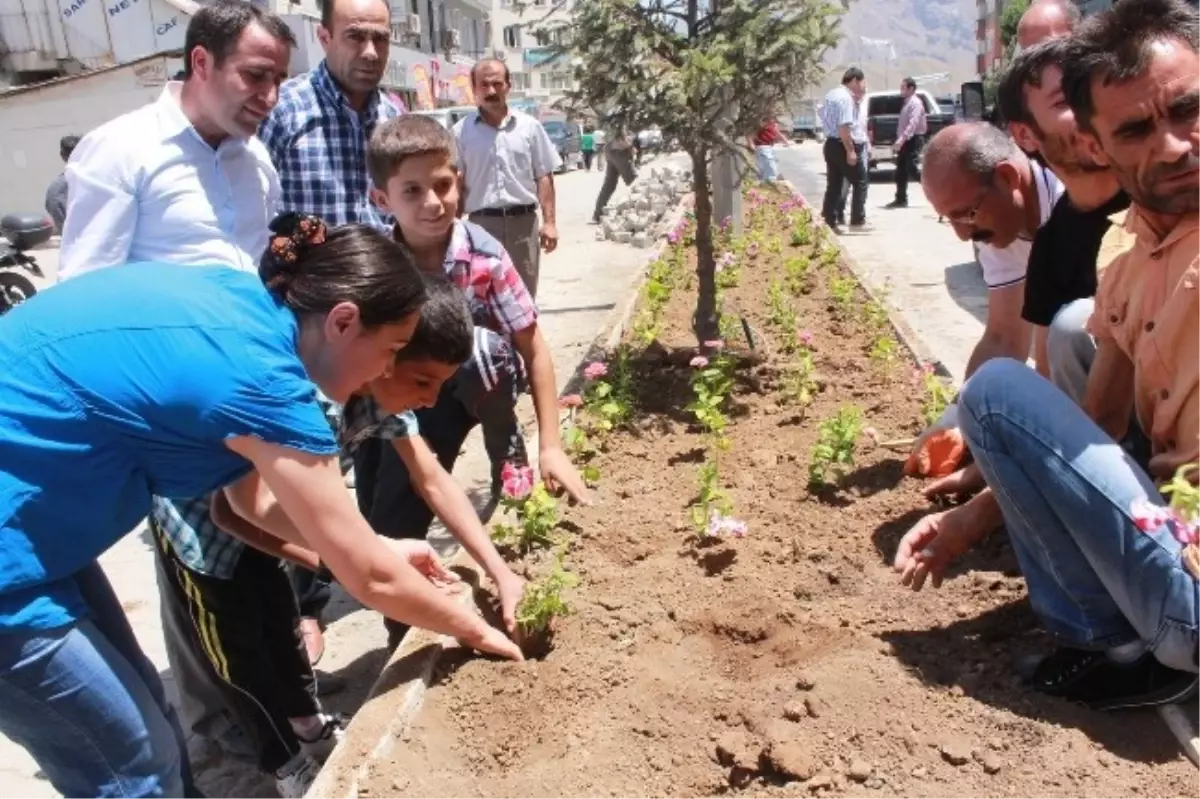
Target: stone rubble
637,219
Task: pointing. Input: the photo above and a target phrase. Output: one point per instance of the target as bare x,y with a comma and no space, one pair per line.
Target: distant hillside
928,36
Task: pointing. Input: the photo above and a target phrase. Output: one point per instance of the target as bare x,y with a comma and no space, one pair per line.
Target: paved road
932,277
583,283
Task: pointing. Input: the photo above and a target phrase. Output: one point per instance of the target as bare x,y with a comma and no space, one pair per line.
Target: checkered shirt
318,144
480,266
207,549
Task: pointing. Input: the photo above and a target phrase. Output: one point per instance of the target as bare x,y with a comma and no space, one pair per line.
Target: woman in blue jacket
177,380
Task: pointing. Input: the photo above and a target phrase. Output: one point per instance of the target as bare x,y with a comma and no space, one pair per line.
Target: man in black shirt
1066,256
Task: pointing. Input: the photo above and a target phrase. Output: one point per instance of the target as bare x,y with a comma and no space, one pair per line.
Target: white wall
32,121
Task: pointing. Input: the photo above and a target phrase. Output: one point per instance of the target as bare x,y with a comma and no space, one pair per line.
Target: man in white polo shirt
507,162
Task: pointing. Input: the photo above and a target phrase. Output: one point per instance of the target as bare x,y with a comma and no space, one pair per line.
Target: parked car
565,136
883,117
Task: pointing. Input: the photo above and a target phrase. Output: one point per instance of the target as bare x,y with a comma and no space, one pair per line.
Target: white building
522,40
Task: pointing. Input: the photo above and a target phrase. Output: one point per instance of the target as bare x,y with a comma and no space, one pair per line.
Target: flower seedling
796,275
884,353
781,315
712,381
936,393
728,274
542,605
535,510
799,379
834,451
841,289
609,401
802,230
1181,517
710,499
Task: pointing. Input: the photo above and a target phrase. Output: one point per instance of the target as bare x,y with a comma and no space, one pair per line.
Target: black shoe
328,684
1101,683
897,204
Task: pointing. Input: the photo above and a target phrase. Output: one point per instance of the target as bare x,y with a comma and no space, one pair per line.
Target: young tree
707,74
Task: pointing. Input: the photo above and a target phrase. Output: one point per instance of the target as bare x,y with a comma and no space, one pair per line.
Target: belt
512,210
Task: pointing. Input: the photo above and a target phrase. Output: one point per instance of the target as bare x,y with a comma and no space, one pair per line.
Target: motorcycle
23,232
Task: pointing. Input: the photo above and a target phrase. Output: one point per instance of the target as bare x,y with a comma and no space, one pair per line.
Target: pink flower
673,237
805,337
595,370
714,344
516,481
570,401
726,222
699,362
719,524
1148,516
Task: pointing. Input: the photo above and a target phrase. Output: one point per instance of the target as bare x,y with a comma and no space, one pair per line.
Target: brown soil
785,663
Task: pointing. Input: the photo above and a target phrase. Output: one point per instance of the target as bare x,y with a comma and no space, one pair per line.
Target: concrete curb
379,724
908,337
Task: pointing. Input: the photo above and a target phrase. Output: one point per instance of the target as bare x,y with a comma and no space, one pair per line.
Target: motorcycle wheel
14,290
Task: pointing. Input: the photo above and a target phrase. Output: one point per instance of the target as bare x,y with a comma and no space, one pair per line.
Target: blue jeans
765,155
1065,489
88,705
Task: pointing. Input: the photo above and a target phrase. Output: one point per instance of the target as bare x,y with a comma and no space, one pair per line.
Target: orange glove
936,455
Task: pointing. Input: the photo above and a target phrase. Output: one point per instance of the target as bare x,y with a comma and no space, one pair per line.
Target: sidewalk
583,284
931,276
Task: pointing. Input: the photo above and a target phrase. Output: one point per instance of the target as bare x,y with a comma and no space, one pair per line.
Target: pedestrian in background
910,129
845,150
587,146
764,142
56,194
599,137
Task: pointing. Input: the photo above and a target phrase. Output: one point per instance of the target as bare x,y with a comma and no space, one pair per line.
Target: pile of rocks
637,219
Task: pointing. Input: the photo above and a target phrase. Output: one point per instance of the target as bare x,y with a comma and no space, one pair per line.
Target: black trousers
619,166
839,173
484,391
588,155
906,166
246,629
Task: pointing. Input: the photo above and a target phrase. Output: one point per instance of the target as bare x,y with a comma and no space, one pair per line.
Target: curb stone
378,726
908,337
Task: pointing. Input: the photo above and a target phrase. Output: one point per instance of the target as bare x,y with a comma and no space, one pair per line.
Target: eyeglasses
967,218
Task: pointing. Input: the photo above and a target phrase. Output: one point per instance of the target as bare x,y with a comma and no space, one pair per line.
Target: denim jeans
1065,489
88,705
765,154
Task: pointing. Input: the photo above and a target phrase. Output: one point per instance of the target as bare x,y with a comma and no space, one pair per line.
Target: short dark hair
217,26
1116,45
355,263
326,7
446,332
479,64
1026,70
910,83
854,73
404,137
67,145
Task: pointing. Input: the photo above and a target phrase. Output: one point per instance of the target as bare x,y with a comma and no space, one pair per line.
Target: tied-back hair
311,269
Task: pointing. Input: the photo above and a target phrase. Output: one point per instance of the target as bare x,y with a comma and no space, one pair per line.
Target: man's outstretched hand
968,480
560,474
933,544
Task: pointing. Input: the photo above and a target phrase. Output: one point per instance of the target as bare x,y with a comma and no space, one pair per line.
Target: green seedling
936,393
543,601
884,353
834,450
536,516
841,289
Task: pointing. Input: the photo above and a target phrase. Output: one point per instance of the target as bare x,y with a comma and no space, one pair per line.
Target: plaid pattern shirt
480,266
207,549
319,146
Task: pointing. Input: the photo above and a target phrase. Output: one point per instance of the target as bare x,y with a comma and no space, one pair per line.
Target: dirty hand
560,474
549,236
965,481
490,641
932,543
510,588
421,557
1164,466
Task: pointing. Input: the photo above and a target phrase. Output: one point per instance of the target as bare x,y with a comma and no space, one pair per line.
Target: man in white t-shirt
993,194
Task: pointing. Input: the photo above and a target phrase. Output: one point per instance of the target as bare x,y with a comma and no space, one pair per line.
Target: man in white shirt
183,179
993,194
507,163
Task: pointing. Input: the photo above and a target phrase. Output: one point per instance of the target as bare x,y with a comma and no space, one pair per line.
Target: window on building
512,36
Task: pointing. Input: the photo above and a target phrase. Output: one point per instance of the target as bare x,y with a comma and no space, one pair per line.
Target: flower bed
736,625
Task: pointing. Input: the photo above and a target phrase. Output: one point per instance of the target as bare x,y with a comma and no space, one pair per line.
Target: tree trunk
705,322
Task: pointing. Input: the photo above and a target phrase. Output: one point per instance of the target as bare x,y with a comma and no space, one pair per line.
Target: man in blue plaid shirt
317,134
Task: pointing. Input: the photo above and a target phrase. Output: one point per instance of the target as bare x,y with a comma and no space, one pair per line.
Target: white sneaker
320,747
297,776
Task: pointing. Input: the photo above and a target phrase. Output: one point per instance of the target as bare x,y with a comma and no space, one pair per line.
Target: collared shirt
319,145
1006,266
840,108
206,548
502,165
480,266
146,187
1147,303
913,119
